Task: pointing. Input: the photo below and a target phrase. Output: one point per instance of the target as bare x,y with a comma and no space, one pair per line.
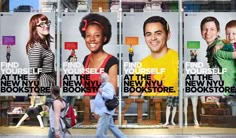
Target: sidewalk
171,132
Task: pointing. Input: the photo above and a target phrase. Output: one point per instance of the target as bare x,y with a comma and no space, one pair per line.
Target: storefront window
139,49
212,103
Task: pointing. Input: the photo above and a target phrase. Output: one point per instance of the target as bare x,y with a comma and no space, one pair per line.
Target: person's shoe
18,125
196,123
166,124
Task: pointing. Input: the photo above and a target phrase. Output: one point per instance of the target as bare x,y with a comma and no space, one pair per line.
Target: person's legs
22,119
50,133
63,134
203,100
36,111
194,100
175,103
185,111
8,57
173,115
130,58
114,129
216,100
40,121
167,115
102,126
68,59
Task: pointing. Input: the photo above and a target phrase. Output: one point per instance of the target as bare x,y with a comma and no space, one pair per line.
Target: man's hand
57,134
96,116
100,90
217,47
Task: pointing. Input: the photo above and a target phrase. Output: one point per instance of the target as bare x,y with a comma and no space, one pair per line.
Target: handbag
112,103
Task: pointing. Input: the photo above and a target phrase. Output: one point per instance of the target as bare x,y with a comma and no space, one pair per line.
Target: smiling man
156,34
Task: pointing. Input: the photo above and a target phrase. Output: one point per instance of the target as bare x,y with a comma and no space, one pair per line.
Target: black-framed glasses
43,23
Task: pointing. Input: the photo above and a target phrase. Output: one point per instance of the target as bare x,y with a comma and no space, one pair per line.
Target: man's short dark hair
157,19
210,19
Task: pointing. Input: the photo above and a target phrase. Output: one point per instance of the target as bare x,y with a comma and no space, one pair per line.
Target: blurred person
104,116
57,126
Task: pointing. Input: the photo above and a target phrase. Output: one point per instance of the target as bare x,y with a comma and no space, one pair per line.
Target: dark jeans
130,57
51,134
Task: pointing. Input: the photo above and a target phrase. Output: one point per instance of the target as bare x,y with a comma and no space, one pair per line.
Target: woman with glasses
41,57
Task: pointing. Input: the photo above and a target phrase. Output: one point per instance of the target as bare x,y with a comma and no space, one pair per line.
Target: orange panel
131,41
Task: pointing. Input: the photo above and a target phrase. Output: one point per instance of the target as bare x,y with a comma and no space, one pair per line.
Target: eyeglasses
43,23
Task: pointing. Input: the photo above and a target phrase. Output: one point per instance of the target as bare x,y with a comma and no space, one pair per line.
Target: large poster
150,57
27,46
208,54
89,47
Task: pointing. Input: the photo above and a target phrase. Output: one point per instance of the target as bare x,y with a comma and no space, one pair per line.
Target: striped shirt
40,58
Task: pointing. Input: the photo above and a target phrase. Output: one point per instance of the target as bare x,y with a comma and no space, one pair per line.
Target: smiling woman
96,31
39,52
